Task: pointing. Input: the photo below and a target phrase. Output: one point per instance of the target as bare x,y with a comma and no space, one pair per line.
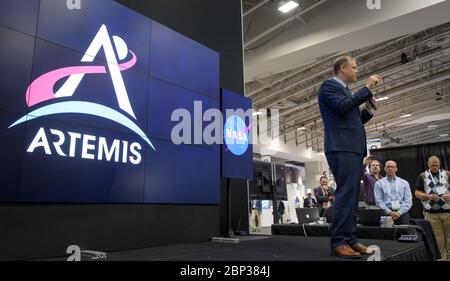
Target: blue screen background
172,71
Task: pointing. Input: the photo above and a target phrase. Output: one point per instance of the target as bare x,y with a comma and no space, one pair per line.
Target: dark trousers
347,169
403,219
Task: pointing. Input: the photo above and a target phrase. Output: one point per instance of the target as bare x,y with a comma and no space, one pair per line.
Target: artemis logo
41,89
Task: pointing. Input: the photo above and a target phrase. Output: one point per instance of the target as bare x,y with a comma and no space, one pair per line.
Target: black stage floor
270,248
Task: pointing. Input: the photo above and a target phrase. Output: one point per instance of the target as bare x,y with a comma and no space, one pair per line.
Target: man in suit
309,201
324,195
344,114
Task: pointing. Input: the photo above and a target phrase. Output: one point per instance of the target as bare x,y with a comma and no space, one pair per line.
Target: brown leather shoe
360,248
345,252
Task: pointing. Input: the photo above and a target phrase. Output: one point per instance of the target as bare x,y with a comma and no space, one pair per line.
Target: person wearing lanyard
433,188
393,195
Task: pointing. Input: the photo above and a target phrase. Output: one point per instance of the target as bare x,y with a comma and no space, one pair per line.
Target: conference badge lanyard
395,204
440,188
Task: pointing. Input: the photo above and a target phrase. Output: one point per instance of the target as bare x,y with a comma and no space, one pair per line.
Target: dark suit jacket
342,119
309,202
318,193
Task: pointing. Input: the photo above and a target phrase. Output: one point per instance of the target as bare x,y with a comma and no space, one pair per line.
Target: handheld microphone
372,104
372,101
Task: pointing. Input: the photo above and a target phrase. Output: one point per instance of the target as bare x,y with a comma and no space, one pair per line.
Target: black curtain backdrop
31,231
411,161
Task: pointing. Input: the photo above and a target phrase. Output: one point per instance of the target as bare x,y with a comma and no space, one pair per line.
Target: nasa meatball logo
236,135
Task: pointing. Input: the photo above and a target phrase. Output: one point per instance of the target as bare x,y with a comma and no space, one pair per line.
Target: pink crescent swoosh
41,89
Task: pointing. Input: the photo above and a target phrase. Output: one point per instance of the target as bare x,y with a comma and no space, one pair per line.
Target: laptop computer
370,217
307,215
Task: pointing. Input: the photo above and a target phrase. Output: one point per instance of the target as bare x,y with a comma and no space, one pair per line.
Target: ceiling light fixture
287,6
382,99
